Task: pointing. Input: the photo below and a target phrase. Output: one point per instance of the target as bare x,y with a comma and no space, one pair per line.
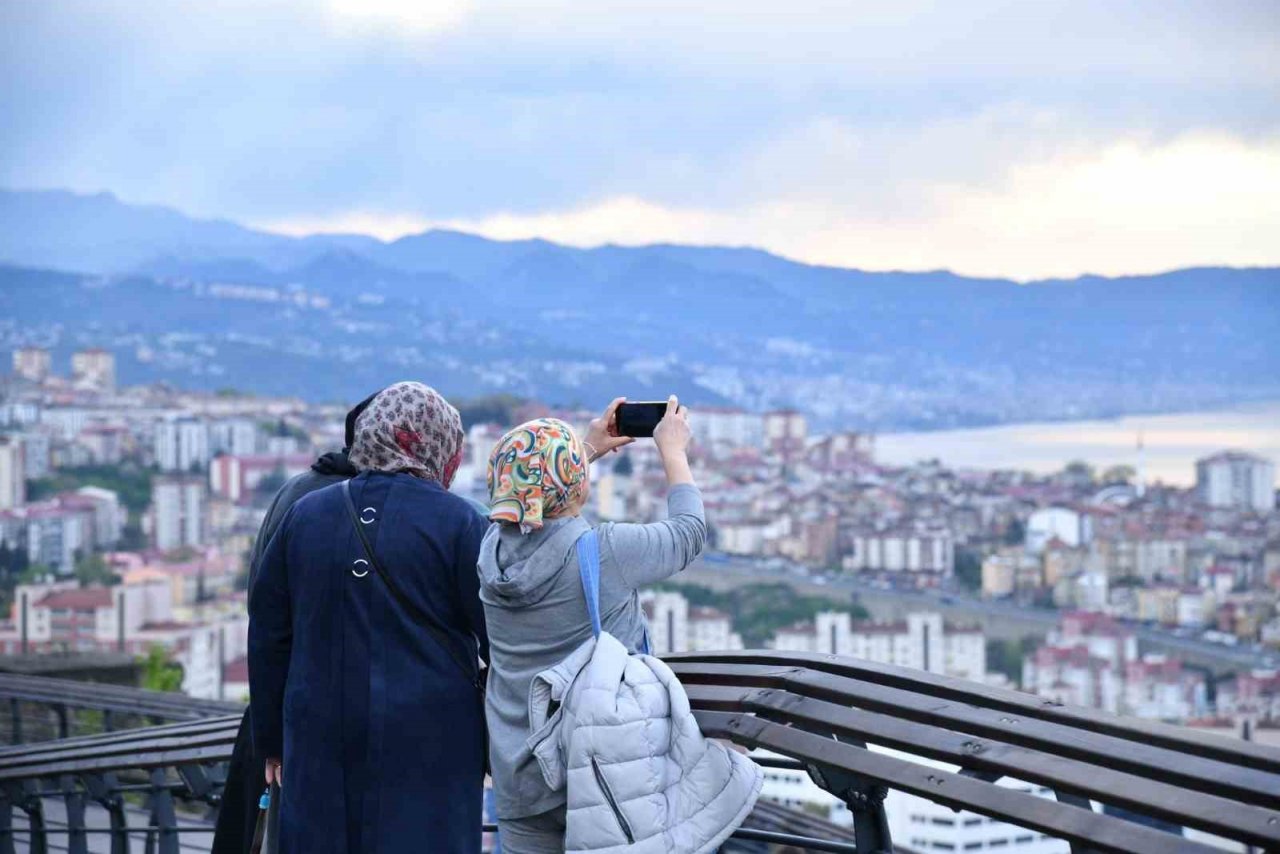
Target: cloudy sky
1012,138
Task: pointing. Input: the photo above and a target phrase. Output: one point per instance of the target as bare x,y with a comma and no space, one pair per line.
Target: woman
532,594
364,693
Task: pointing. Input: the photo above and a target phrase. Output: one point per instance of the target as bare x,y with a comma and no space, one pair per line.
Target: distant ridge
883,350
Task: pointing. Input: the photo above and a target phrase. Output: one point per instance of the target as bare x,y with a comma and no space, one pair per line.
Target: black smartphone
638,419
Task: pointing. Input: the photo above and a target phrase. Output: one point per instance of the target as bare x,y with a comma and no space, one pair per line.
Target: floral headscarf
537,471
409,427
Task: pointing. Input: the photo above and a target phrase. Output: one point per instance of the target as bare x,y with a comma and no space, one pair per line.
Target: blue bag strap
589,571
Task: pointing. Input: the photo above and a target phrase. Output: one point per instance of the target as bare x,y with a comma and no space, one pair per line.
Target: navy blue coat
380,731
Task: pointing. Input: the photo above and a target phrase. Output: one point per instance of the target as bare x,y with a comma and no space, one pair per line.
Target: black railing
81,769
826,715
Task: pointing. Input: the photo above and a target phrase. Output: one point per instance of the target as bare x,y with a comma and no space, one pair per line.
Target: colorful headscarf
409,427
537,471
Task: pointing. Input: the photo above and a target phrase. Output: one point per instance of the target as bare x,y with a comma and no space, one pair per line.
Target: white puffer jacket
640,776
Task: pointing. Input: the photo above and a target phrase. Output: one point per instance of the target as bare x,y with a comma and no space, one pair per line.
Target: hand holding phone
602,433
641,418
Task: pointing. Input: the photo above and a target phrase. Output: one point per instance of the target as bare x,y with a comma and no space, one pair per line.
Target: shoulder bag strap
415,613
589,571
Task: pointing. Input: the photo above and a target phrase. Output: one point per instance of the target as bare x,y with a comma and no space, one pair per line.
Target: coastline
1172,442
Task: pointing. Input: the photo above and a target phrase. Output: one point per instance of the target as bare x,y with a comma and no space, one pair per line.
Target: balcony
157,786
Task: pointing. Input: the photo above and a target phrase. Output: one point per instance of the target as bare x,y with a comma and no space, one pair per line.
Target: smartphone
638,419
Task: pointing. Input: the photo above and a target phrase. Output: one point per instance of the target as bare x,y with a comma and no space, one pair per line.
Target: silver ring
371,519
357,563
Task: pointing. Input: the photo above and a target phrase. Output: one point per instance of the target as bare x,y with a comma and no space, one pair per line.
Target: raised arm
645,554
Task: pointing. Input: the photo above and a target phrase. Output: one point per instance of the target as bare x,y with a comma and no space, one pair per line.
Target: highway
1001,620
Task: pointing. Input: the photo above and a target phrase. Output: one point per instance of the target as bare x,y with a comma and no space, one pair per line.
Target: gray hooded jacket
536,617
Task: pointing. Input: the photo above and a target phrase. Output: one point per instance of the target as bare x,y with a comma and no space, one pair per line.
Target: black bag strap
415,613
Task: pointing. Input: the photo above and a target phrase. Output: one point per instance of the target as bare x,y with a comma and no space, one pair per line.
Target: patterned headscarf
537,471
409,427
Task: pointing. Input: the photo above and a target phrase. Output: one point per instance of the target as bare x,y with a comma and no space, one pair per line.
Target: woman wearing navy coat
373,729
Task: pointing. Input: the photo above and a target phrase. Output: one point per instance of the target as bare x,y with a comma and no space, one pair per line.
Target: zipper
613,804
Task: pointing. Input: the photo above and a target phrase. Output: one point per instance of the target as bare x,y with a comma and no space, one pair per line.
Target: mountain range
210,303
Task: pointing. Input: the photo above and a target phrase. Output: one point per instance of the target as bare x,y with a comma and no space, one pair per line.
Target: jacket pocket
613,803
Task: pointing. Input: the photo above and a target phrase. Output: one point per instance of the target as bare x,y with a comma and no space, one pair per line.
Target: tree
270,483
158,672
968,568
1015,532
1119,474
92,569
1006,656
1080,472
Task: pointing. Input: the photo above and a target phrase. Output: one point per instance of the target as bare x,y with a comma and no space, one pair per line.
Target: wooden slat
1078,826
1194,742
1212,813
1180,768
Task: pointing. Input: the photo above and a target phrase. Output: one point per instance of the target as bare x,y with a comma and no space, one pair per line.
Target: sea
1165,446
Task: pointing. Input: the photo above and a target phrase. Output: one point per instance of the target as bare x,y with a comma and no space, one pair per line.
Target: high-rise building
722,427
1234,479
178,511
13,478
668,617
181,444
676,626
94,368
235,436
785,433
35,454
923,640
32,363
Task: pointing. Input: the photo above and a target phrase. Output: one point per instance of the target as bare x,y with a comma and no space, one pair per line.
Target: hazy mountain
534,317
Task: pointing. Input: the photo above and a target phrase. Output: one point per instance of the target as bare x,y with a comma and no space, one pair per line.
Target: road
1001,620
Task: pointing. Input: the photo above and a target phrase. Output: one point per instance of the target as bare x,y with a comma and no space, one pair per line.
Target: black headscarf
336,462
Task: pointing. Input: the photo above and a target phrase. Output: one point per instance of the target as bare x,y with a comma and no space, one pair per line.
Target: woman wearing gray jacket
535,610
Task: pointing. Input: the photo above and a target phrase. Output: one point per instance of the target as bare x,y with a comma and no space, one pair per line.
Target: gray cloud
271,110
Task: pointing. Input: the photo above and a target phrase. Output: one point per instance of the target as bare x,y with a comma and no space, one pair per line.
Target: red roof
83,599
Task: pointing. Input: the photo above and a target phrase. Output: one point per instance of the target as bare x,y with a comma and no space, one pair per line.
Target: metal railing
824,714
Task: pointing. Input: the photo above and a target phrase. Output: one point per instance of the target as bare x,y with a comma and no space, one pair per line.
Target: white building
13,477
923,641
32,363
668,616
235,436
785,432
178,512
711,629
109,515
53,532
676,626
1236,480
721,427
1159,688
900,550
94,368
181,444
35,454
1071,527
915,824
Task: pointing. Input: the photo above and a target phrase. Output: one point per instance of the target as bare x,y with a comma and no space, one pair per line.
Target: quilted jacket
617,732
